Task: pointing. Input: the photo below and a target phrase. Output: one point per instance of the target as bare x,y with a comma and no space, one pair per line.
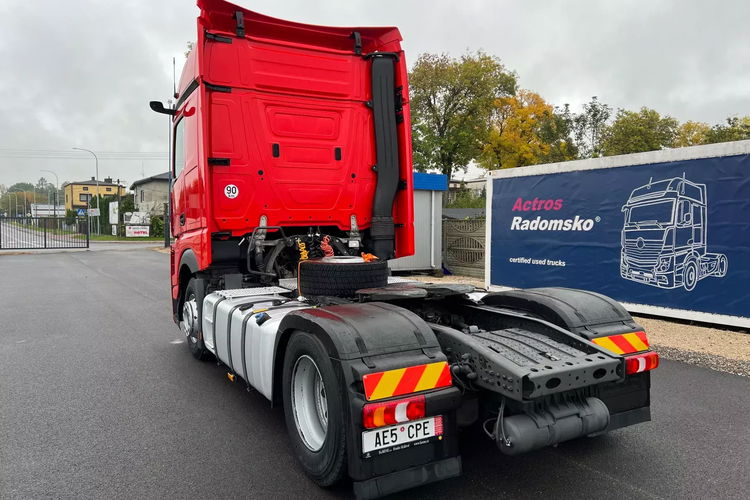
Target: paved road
99,398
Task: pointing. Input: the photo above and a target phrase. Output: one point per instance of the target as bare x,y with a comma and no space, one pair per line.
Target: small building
47,210
428,234
151,193
79,194
476,186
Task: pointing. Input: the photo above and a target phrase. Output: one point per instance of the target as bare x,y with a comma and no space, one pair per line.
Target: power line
71,155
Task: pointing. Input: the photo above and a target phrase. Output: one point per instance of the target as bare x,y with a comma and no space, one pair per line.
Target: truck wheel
721,266
191,323
313,408
341,276
690,275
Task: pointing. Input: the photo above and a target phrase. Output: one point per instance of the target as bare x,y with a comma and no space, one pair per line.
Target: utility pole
119,207
96,159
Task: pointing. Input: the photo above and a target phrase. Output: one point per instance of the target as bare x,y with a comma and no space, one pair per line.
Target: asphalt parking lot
99,398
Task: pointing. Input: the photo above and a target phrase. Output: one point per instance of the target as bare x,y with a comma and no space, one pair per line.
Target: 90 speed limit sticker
231,191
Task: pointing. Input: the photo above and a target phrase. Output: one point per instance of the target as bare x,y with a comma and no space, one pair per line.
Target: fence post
167,224
45,231
88,230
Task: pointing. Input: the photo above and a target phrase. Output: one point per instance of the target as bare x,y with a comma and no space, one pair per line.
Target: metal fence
463,246
21,233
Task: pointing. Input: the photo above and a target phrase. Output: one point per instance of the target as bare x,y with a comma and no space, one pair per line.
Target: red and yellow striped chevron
626,343
402,381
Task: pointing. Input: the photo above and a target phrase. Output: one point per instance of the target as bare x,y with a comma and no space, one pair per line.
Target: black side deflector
382,230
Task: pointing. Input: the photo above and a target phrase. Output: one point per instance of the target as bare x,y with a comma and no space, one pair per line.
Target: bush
157,226
70,216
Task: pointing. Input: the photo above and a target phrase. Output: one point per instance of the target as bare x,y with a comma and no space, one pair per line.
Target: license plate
402,435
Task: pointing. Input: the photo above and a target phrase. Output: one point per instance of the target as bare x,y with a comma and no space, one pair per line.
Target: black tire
340,278
194,335
326,465
690,275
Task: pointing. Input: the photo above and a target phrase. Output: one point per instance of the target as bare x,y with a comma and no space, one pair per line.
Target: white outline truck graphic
664,236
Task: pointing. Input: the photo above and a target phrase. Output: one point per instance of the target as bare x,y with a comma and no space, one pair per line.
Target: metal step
527,348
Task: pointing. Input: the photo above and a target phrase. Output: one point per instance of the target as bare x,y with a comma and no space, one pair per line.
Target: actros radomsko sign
666,232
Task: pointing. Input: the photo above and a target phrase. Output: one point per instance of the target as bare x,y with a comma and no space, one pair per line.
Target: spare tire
340,276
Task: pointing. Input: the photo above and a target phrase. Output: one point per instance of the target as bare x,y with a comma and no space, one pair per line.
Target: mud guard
584,313
373,337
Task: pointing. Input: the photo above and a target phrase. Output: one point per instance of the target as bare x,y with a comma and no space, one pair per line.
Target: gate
22,233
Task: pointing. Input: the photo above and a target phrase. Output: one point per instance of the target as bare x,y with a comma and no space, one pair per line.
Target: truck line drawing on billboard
664,236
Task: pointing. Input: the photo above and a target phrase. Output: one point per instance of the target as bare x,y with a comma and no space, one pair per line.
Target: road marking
177,341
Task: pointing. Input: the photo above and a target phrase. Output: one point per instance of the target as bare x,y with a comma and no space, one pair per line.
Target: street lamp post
96,159
57,189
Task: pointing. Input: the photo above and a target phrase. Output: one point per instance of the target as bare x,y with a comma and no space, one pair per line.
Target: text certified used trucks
292,189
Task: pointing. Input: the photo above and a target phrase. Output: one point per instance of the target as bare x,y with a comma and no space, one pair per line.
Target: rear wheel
190,324
314,409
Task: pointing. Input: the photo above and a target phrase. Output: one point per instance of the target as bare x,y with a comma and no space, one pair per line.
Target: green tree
21,187
557,131
735,129
451,101
634,132
589,127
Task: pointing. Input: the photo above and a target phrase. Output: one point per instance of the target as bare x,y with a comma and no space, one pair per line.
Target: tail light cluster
638,363
393,412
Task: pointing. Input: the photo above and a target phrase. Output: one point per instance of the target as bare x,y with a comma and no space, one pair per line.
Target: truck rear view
292,189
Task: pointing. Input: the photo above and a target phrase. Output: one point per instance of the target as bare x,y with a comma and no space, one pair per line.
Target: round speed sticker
231,191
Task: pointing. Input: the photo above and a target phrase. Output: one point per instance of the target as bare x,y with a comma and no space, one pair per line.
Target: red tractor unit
292,188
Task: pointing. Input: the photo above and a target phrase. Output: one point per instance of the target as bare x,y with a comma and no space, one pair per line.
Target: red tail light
641,362
393,412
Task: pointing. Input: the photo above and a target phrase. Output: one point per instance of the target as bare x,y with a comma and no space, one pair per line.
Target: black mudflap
585,313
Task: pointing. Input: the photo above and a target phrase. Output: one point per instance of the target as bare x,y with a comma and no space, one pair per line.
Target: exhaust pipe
549,425
382,229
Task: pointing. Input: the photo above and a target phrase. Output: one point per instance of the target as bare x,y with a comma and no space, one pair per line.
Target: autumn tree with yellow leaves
515,136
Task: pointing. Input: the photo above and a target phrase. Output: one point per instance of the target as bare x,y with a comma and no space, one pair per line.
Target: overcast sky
81,72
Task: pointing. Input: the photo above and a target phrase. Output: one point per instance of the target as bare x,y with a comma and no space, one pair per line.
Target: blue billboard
670,234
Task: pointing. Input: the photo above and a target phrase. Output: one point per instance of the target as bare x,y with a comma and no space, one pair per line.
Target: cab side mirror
158,106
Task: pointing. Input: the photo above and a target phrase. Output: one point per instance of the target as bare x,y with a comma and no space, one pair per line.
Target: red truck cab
275,126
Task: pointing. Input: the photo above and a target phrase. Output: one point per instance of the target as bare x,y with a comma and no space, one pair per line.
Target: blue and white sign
666,232
81,212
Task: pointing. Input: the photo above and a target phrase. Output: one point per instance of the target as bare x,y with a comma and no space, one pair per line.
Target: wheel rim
309,403
690,275
190,318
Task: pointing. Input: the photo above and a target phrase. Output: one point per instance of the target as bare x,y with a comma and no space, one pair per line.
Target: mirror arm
159,108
